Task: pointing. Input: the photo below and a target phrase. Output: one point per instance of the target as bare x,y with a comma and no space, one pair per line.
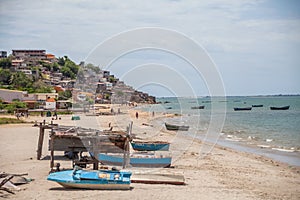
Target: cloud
234,32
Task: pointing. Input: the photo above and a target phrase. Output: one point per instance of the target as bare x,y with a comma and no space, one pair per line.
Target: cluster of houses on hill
93,86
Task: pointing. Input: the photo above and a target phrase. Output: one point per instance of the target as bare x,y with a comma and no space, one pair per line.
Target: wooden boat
150,146
92,179
136,160
172,127
241,109
257,105
280,108
197,107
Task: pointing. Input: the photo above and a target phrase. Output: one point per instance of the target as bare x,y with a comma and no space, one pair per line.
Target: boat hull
198,107
150,146
280,108
172,127
144,161
242,109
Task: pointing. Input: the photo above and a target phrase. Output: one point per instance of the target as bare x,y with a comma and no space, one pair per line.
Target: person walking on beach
136,115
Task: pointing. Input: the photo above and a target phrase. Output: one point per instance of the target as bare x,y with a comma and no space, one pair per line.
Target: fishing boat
172,127
136,160
92,179
280,108
257,105
241,109
197,107
150,145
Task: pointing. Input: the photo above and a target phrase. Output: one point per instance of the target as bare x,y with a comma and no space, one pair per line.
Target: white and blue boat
147,160
92,179
150,145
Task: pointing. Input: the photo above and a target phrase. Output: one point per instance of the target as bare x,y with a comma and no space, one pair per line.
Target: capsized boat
92,179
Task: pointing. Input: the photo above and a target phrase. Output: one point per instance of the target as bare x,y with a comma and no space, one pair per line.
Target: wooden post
52,150
40,142
126,156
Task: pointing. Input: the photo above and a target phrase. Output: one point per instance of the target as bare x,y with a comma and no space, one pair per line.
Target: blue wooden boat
136,160
150,145
92,179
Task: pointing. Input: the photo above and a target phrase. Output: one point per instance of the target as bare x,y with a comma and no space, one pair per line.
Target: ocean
271,133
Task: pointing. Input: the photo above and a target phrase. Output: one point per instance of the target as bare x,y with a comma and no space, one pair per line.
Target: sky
254,45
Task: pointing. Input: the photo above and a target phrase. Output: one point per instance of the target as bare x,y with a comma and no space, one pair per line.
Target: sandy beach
222,174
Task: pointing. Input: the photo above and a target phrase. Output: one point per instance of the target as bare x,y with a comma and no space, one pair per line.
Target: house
50,104
3,54
39,54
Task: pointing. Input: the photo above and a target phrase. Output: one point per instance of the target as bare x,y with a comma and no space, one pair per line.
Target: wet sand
222,174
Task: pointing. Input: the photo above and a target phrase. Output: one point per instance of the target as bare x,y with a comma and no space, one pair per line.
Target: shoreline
224,173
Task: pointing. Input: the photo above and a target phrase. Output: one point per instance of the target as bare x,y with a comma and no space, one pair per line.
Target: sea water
272,133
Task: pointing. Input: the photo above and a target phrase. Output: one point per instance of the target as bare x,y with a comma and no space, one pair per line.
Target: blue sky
254,44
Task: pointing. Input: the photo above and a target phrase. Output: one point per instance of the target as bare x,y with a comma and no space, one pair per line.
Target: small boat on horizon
257,105
172,127
242,109
280,108
92,179
197,107
150,145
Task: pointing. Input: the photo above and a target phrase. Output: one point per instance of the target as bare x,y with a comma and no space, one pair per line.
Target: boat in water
148,160
280,108
243,108
92,179
257,105
198,107
150,145
172,127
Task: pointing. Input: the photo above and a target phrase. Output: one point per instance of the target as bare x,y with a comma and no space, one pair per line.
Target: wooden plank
173,179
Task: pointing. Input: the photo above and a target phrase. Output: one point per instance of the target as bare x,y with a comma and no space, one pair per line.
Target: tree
94,68
71,65
61,61
5,63
67,72
19,80
41,87
55,67
64,95
5,75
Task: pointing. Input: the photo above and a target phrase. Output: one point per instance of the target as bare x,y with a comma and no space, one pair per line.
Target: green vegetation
64,95
5,63
13,106
4,120
20,81
68,67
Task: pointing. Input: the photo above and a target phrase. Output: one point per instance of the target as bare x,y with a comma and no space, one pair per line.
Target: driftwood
5,180
8,183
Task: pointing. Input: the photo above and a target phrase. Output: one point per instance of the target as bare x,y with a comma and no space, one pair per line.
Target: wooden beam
40,141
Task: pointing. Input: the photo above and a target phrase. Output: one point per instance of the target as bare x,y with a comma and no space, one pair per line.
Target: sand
222,174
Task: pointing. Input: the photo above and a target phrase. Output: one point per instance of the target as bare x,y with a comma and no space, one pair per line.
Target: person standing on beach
136,115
